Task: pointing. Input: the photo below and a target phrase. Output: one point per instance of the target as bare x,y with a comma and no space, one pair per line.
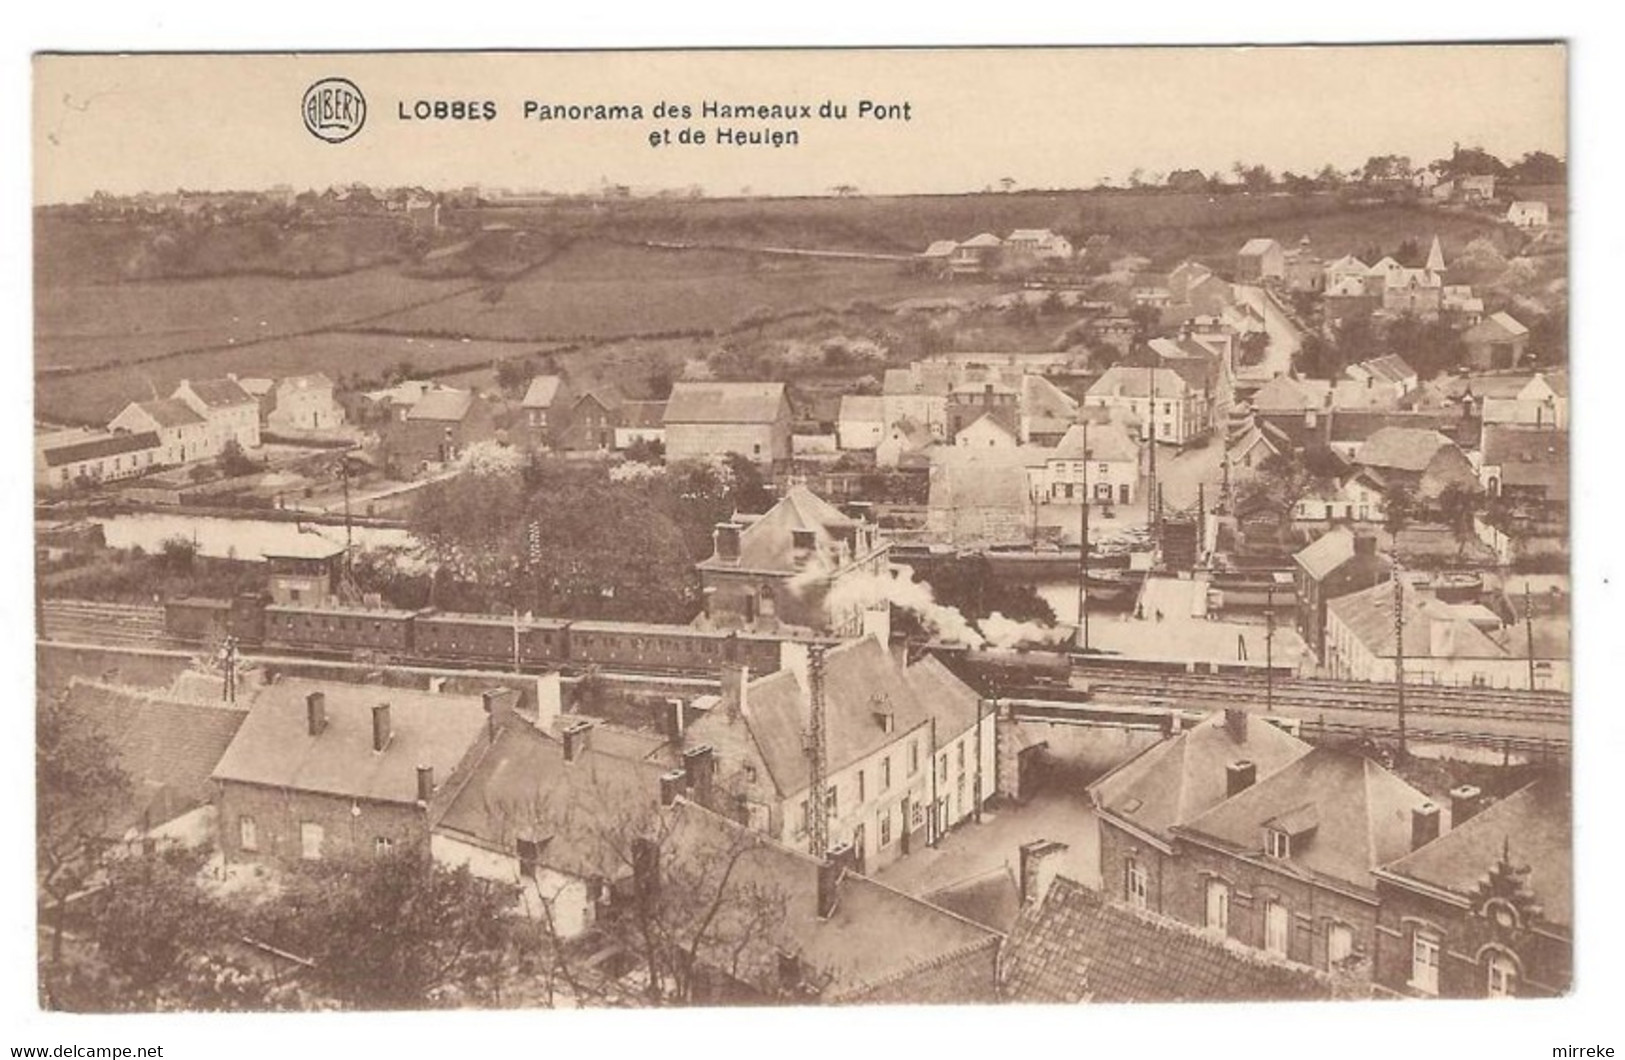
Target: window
913,757
885,827
1277,928
1425,962
942,768
1218,906
885,773
310,841
1339,944
862,787
382,845
1277,843
248,835
961,756
832,800
1135,889
806,818
1503,975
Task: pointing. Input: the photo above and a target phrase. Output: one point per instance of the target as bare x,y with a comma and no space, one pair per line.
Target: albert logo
334,109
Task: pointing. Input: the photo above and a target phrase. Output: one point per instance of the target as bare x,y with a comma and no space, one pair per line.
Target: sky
1060,118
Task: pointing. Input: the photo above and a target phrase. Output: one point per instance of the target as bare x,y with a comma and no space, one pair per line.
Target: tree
152,917
1539,167
1383,168
233,461
1007,184
514,374
1457,506
1470,162
1399,505
1254,346
1147,320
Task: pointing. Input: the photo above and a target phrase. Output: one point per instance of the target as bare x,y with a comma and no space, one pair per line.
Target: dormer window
1277,844
801,540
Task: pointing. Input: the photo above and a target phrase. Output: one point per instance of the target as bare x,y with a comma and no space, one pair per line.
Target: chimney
1365,544
1465,802
1239,776
726,539
735,678
498,709
1424,825
549,700
671,786
1172,722
829,879
1034,874
877,623
577,739
674,719
700,764
316,712
380,727
425,784
886,720
1235,723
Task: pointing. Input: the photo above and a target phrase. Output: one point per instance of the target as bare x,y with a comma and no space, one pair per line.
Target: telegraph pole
1399,653
1529,634
1269,648
817,799
1083,550
1153,489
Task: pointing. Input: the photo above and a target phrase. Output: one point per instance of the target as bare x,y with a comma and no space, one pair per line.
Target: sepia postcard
941,526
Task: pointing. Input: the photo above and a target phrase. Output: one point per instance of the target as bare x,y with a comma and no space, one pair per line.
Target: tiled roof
725,403
1284,394
860,679
274,747
166,748
442,406
99,446
1357,425
1401,448
1075,946
768,544
1002,417
1529,457
1390,367
1359,813
1534,825
523,788
1184,776
542,392
1132,382
220,393
1369,617
1107,441
954,704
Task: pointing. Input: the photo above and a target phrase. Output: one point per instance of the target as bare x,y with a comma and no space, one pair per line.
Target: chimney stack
425,784
725,538
1235,723
381,732
735,678
829,879
316,712
1172,722
498,709
700,763
1034,876
1365,544
1465,802
1239,776
674,719
577,739
671,785
886,720
1424,825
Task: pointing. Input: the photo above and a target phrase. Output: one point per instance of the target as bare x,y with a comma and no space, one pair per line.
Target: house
67,458
1150,289
992,429
918,393
780,568
1255,444
543,410
1173,407
1094,463
708,420
167,749
231,413
1304,269
1350,298
1260,259
1113,330
1384,274
982,496
1337,563
1527,213
438,428
882,727
937,256
1389,369
304,403
391,404
862,423
1444,644
542,813
906,444
1072,945
976,256
183,435
1485,910
1497,341
323,770
1538,400
1046,411
641,421
1529,466
1346,268
1356,498
1476,188
589,423
1041,243
1416,292
1287,862
1422,461
1173,782
978,390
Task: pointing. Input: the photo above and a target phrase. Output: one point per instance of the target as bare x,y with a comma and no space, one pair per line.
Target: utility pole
1399,653
817,799
1269,648
1083,550
229,657
1529,634
347,589
1153,488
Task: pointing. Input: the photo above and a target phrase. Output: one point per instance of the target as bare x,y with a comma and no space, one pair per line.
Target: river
245,539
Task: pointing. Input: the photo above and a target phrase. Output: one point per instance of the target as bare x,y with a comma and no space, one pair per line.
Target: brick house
780,568
231,413
589,423
542,411
322,770
438,428
1486,910
1337,563
1287,863
708,420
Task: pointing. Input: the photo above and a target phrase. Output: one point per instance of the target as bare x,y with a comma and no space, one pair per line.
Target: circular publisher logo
334,109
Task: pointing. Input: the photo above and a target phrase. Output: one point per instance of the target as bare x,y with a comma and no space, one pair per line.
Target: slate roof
1075,946
984,239
1357,425
862,408
725,403
1109,442
100,446
1257,246
1369,616
1359,812
274,746
1401,449
166,748
767,543
1326,553
220,393
1184,776
1130,381
1390,368
442,406
940,248
542,392
170,412
643,414
1494,327
1003,418
954,704
1535,825
860,679
309,381
523,788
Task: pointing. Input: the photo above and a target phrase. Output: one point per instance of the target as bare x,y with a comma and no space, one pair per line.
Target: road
1285,339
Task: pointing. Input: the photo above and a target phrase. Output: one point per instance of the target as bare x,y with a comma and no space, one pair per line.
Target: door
905,837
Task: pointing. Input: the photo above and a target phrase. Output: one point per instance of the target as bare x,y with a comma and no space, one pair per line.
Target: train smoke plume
857,592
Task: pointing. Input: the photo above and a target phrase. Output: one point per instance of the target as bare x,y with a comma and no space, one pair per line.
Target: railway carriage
492,638
338,628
